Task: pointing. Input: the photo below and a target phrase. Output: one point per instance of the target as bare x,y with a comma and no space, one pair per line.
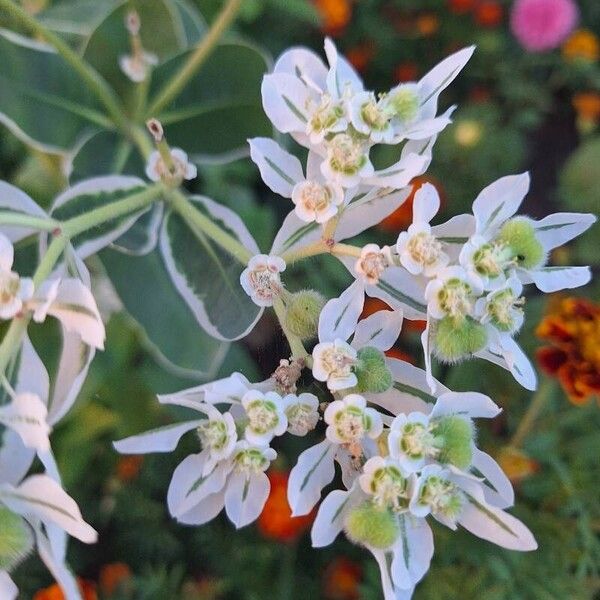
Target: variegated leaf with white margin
380,330
340,315
8,589
499,492
329,521
412,551
491,523
95,193
499,201
468,404
279,169
26,414
554,279
206,276
413,382
245,497
142,237
559,228
341,75
40,497
400,174
313,471
14,201
390,590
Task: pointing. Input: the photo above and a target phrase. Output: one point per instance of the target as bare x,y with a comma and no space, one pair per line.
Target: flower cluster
403,442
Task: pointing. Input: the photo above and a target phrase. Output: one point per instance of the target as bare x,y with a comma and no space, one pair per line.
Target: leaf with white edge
499,492
402,291
499,201
279,169
174,339
95,193
558,229
26,415
45,105
513,359
468,404
554,279
162,439
41,497
227,110
284,99
381,330
313,471
8,589
400,174
412,552
14,201
455,231
340,315
493,524
245,497
390,591
329,521
142,237
304,64
295,233
208,277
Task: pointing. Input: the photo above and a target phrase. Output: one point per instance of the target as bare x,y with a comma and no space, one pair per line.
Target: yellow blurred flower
468,133
427,24
582,44
516,464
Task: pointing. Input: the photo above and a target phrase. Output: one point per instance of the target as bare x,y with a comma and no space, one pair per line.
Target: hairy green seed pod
455,434
303,310
16,539
457,339
519,235
370,525
371,371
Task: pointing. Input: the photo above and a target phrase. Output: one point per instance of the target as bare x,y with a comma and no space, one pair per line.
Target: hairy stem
320,247
194,217
174,87
87,73
296,345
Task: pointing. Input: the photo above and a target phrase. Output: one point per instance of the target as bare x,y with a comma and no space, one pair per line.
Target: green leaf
220,108
42,101
169,329
206,276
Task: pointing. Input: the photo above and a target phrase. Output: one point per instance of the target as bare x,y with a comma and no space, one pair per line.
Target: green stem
287,572
174,87
296,345
536,406
29,221
88,74
194,217
111,211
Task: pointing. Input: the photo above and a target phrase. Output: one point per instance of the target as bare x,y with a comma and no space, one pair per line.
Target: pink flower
541,25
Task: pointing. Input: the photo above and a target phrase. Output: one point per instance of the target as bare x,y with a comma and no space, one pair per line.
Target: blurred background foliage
518,110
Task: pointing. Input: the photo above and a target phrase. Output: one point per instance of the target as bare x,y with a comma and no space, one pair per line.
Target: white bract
13,290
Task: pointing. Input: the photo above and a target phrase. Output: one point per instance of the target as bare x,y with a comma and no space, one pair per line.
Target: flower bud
369,525
303,310
519,235
371,371
454,437
456,339
16,539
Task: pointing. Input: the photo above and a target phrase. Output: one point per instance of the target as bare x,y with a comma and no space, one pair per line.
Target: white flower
266,416
347,160
317,201
302,412
350,420
333,362
14,291
502,309
137,66
385,481
157,170
373,262
261,279
419,249
411,442
452,293
218,436
371,117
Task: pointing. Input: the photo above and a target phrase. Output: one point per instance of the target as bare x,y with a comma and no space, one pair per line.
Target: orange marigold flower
276,521
406,71
87,589
583,45
587,105
335,15
360,56
427,24
113,576
400,354
128,467
573,330
517,465
342,579
460,7
489,13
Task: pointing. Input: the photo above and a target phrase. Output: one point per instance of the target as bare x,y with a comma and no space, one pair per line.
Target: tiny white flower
157,170
502,309
350,420
317,201
137,66
373,262
347,160
14,290
333,362
419,250
452,293
251,459
411,442
266,416
371,117
487,261
326,116
261,279
218,435
302,412
404,103
387,483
